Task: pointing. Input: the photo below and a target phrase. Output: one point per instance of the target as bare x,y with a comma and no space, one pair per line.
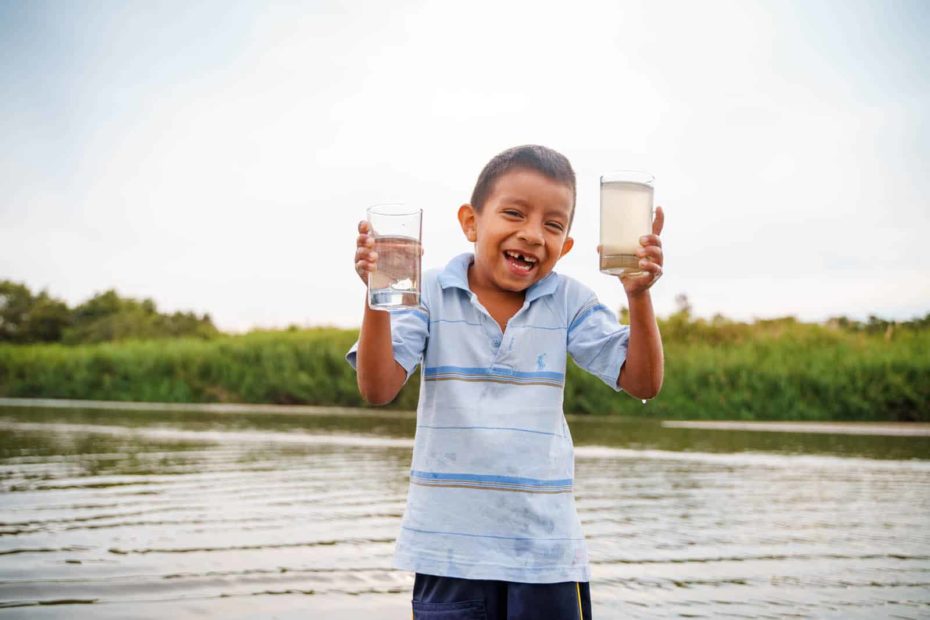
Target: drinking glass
626,215
397,230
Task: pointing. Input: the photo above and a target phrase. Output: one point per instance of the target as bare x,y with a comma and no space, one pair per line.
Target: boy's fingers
652,272
363,227
653,239
364,240
367,258
653,252
365,263
659,222
655,269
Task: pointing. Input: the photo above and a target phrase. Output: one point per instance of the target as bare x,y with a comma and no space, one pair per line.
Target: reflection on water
110,514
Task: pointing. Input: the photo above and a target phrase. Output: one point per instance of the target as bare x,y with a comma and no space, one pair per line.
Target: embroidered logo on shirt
541,362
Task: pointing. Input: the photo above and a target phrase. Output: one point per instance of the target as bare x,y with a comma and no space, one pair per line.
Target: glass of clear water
626,215
397,230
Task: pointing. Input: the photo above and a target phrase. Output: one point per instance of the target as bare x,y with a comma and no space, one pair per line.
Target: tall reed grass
778,370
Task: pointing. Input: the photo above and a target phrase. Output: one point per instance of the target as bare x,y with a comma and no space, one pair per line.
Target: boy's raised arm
643,371
379,375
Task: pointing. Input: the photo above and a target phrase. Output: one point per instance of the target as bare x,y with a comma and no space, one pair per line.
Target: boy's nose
531,234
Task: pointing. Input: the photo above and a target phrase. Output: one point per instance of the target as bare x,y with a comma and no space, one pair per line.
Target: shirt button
496,342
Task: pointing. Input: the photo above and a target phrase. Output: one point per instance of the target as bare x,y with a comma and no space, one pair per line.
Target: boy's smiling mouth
520,262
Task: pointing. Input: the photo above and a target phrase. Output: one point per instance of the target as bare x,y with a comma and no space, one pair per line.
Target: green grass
769,370
816,375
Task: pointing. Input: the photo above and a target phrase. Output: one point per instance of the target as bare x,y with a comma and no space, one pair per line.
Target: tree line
27,317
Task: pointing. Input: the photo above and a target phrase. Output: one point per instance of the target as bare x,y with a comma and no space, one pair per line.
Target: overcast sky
216,156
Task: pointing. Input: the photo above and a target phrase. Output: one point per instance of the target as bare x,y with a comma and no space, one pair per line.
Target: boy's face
521,232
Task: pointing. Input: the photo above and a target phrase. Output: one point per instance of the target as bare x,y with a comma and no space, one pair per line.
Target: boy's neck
500,304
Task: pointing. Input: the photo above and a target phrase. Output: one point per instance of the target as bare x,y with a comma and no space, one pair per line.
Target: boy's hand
366,259
650,259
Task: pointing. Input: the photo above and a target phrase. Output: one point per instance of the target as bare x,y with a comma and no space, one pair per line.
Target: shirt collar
455,275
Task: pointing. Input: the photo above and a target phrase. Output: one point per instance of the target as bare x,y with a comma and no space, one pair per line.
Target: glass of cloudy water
626,215
397,230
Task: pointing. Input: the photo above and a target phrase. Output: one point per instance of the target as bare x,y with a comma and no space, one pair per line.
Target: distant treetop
26,317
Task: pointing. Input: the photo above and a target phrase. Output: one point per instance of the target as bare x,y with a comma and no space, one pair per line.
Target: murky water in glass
112,514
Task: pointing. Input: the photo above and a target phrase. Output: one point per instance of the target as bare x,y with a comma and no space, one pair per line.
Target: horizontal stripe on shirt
470,535
560,328
491,483
584,314
493,375
420,314
488,428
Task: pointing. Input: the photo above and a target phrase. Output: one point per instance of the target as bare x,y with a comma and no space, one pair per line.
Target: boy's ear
468,222
567,246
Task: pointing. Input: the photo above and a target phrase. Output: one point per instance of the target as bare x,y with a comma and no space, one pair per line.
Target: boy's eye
512,212
556,226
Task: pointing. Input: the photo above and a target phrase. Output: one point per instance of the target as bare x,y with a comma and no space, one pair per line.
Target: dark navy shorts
450,598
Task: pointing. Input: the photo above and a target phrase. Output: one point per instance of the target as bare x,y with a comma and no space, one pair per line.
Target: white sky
218,159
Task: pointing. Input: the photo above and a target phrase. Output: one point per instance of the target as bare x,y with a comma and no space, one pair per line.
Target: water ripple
155,522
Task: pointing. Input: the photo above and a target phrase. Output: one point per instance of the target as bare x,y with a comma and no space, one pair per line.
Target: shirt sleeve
409,332
598,342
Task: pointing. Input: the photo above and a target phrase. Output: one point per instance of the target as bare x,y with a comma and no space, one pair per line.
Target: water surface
127,513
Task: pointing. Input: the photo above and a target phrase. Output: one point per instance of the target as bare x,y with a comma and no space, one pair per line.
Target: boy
490,527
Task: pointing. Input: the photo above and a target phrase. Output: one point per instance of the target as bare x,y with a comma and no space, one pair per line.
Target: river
116,511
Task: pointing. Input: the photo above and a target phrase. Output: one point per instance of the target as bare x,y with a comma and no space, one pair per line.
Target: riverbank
766,371
889,429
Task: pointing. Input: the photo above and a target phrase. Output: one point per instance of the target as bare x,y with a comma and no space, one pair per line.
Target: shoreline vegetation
116,349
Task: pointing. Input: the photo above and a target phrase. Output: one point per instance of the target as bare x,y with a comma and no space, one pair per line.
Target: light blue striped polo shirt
491,485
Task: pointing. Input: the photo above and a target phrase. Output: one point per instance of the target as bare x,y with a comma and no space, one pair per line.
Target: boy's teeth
528,259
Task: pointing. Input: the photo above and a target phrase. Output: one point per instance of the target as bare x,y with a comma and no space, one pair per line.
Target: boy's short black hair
546,161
